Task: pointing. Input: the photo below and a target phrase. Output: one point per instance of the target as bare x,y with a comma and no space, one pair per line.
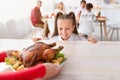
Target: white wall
47,6
70,5
107,10
22,8
15,8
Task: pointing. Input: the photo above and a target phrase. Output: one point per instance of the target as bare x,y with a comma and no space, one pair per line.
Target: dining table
85,61
50,22
102,20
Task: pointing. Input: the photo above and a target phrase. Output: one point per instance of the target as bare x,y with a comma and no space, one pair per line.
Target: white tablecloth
85,61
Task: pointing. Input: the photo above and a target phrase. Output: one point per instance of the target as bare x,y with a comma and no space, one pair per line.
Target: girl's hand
92,40
36,39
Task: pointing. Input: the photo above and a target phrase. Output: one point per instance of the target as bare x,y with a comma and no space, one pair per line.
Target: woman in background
60,8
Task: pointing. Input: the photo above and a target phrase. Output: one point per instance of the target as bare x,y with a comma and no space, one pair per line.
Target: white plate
63,63
4,67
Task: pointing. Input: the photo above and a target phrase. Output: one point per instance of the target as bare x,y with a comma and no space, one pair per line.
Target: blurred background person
86,21
60,8
36,19
79,10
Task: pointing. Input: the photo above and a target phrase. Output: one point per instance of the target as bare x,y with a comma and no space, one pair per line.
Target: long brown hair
70,16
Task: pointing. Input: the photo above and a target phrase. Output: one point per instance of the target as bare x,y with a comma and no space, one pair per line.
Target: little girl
86,21
65,28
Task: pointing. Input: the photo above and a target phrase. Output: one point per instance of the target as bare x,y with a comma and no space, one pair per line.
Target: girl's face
65,28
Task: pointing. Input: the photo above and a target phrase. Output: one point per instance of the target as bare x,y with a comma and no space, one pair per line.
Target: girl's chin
64,38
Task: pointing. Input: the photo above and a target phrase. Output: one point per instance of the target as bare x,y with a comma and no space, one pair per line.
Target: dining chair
37,32
112,28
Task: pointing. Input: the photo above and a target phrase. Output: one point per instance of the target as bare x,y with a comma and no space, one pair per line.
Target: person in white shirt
80,10
65,28
86,21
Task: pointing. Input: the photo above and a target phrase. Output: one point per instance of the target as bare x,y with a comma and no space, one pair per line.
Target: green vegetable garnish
59,55
10,61
7,61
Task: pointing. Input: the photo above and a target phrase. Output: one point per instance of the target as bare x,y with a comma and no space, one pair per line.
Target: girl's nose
63,31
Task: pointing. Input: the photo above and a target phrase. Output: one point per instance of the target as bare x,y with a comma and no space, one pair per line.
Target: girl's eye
67,28
60,28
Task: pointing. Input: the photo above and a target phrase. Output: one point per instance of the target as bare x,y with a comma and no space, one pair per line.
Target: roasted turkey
38,52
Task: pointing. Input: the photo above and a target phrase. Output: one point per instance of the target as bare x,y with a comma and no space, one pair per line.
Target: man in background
36,19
